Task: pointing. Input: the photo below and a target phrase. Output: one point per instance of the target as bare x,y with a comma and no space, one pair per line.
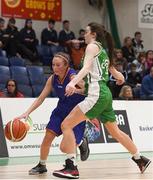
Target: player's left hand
120,79
70,89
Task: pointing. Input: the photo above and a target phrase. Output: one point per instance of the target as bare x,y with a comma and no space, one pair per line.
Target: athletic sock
72,157
80,143
42,162
137,155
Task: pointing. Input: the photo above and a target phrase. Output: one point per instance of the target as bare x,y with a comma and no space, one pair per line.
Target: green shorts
98,104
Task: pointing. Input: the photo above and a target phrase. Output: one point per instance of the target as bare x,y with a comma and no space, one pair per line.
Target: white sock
137,155
80,143
42,162
72,157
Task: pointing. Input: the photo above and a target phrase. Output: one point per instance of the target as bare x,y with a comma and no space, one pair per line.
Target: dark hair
103,37
133,65
148,53
136,33
65,21
63,55
12,20
16,88
27,21
81,30
141,54
51,21
2,20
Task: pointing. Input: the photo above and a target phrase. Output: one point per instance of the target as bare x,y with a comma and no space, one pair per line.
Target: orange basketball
15,130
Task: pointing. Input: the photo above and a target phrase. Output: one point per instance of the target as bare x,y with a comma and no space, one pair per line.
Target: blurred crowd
133,60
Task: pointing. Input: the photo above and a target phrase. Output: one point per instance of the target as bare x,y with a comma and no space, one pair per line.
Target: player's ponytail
109,45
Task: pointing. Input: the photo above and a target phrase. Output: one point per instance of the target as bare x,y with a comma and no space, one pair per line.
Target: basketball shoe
142,163
39,169
84,149
70,171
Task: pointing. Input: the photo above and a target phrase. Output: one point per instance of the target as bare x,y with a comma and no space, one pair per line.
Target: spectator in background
11,38
28,42
11,90
140,63
76,53
149,60
118,58
2,42
146,91
49,37
66,35
126,93
115,89
134,78
28,36
128,50
81,38
137,43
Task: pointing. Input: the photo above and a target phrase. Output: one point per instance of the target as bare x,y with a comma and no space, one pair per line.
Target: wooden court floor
106,169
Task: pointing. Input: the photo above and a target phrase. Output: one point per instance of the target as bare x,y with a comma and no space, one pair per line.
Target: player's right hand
23,116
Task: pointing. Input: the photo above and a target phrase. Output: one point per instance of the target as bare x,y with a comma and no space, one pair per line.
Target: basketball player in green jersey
98,102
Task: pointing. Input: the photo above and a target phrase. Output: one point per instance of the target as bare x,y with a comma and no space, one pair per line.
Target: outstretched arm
47,89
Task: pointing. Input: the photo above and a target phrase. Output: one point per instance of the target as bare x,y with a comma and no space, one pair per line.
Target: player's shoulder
92,48
72,71
92,45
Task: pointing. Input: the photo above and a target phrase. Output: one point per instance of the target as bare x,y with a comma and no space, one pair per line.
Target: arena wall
134,117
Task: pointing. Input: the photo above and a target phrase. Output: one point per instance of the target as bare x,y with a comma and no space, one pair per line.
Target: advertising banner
3,147
145,14
33,9
135,118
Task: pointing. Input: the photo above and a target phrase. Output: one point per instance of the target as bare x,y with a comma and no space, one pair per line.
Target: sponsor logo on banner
33,9
93,131
123,124
145,16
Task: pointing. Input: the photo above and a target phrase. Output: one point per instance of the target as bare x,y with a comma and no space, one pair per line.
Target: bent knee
65,125
62,148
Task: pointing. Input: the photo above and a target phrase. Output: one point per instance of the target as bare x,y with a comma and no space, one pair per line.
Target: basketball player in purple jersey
57,83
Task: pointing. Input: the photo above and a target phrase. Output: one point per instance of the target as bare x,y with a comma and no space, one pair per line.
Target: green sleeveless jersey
99,70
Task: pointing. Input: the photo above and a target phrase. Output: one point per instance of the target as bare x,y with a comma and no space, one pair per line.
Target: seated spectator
11,38
118,58
149,60
126,93
137,43
134,78
81,38
2,42
128,50
66,35
28,36
140,63
49,37
76,53
11,90
115,89
146,91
